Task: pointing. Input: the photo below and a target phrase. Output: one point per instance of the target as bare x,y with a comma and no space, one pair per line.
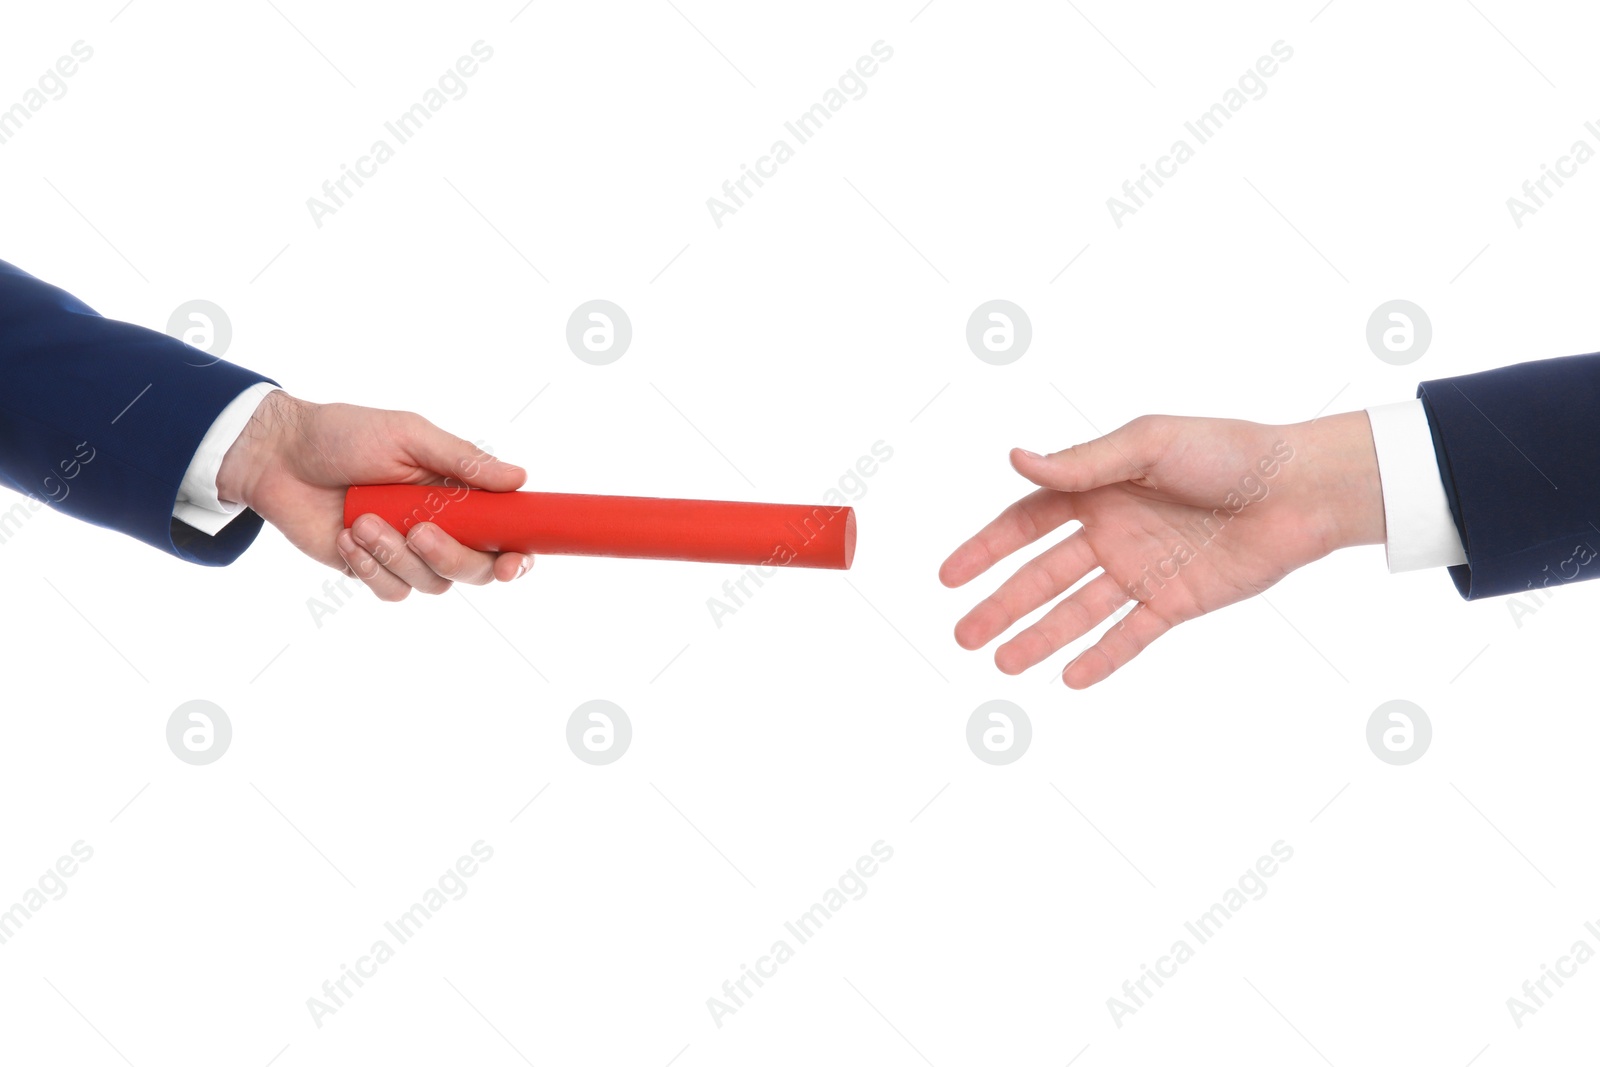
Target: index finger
1023,523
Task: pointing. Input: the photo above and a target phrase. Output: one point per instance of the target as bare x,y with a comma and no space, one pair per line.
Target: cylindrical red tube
572,524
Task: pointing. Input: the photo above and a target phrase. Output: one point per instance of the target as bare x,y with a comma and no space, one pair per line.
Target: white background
768,754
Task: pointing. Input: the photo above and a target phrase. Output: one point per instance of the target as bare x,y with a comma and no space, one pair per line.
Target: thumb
1125,454
450,456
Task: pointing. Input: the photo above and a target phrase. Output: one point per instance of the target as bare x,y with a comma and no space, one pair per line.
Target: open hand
1182,515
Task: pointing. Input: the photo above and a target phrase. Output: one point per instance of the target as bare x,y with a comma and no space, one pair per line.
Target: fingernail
1030,455
366,530
527,564
423,536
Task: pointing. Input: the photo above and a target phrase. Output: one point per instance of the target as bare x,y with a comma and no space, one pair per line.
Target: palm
1183,559
309,516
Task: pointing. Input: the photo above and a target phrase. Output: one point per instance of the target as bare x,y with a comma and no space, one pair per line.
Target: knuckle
1028,520
995,601
473,457
409,424
1039,576
1150,432
447,567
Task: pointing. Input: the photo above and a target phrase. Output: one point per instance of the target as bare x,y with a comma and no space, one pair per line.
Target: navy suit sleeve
101,419
1519,451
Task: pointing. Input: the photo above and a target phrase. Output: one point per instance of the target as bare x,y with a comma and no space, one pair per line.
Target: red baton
573,524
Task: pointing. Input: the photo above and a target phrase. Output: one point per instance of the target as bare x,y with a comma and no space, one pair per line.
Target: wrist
259,447
1348,493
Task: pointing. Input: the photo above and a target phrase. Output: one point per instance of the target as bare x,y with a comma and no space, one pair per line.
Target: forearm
102,418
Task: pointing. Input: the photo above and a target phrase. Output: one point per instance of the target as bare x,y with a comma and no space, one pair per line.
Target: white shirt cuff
1416,514
198,505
